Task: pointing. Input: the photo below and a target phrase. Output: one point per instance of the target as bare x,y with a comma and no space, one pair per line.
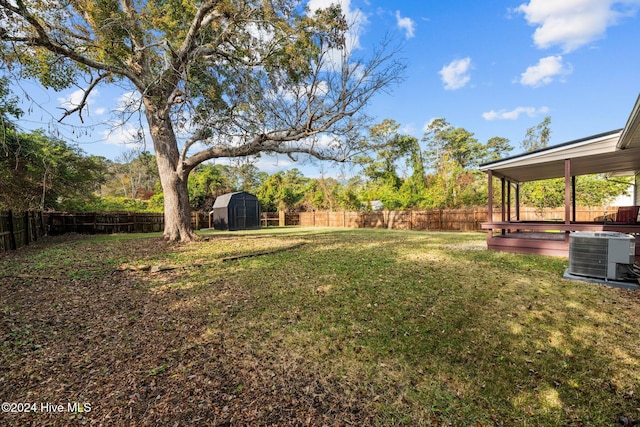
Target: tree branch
83,102
275,142
203,17
42,39
285,111
130,10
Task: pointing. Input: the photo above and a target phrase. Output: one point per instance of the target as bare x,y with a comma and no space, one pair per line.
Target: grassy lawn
332,327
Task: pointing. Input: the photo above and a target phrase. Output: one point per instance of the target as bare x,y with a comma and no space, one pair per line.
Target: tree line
38,171
220,79
399,171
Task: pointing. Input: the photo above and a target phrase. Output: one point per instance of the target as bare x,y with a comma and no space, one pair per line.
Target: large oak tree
215,78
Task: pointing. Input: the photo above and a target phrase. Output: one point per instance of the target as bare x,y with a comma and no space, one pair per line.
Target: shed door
252,215
240,215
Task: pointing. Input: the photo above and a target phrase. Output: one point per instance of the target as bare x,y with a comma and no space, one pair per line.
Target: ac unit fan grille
588,257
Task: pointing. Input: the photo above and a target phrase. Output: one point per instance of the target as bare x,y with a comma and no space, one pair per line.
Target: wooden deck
522,242
546,237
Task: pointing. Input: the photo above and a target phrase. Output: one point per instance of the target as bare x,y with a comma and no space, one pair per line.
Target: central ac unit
606,255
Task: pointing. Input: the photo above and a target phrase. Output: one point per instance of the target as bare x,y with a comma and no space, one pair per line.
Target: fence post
475,220
282,219
12,236
33,226
26,235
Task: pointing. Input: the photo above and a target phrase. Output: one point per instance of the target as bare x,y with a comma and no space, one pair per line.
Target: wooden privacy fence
127,222
469,219
434,219
279,219
18,229
110,222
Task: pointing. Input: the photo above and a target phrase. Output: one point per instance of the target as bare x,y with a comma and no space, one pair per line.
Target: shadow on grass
357,326
470,335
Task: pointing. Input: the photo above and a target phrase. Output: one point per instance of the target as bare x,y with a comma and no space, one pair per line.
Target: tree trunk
173,177
177,212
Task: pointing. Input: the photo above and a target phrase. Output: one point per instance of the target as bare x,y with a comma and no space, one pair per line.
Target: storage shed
236,211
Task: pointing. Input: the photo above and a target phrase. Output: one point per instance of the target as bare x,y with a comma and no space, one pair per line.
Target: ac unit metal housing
606,255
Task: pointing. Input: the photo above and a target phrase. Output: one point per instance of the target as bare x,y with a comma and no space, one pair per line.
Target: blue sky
494,68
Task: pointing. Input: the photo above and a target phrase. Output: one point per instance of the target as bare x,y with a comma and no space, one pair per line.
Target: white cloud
515,113
121,135
72,100
406,24
456,74
272,163
544,71
408,129
571,24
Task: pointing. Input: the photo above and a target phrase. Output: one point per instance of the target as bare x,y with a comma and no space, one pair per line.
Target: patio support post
567,191
490,198
508,200
490,201
573,198
502,210
567,195
517,202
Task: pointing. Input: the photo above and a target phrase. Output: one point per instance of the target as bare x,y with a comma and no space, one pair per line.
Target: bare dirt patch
89,332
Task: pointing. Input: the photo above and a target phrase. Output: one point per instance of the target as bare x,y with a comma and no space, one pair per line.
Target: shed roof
616,151
223,200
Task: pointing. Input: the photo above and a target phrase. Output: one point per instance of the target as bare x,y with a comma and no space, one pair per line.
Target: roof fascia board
548,152
632,127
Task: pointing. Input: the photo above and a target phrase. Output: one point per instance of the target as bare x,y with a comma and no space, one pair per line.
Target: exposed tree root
161,269
255,254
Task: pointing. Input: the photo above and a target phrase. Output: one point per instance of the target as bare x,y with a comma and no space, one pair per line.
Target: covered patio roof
616,151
